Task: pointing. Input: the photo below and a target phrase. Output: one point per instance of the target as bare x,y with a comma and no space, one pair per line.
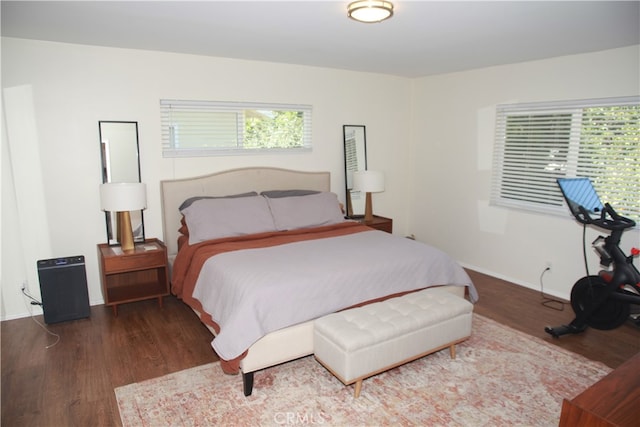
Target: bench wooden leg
358,388
452,351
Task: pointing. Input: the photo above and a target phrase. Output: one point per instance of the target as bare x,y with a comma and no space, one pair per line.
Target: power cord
552,302
584,248
547,301
33,301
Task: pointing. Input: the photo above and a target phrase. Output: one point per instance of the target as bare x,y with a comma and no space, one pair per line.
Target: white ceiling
422,38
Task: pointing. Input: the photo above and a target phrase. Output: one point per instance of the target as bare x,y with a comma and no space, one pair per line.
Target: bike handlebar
617,222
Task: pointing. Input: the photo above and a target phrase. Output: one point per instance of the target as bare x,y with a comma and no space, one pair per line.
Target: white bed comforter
252,292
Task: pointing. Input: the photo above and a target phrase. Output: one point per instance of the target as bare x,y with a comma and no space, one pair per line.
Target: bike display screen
580,192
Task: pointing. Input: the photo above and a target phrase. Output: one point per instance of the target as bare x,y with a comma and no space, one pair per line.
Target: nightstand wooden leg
160,301
115,309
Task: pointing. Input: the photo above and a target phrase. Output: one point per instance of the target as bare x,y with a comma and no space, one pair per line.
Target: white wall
452,152
432,137
75,86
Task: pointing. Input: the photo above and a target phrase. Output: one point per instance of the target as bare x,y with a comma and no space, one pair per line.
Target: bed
259,288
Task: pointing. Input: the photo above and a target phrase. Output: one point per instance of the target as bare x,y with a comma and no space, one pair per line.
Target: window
539,142
204,128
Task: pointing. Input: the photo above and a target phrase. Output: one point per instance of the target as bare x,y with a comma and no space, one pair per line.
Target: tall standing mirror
120,163
355,159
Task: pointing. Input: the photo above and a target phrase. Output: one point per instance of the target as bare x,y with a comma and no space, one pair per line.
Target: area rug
500,377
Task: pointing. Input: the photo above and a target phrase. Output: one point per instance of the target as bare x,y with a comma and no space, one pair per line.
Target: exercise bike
603,301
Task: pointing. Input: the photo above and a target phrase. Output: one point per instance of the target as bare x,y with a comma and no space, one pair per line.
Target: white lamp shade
368,181
123,196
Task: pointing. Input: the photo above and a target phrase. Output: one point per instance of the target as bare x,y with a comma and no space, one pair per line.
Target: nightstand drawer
136,261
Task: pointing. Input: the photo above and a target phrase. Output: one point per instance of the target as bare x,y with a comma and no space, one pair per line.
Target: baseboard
37,311
535,287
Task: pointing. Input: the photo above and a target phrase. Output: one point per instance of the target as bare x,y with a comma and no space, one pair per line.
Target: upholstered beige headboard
233,181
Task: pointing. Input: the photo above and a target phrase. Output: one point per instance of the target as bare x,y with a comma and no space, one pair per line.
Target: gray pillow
314,210
215,218
190,200
287,193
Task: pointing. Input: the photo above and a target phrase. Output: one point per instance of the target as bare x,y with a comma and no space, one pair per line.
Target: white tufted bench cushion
358,343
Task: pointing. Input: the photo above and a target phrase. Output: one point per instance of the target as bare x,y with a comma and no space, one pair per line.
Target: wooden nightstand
379,223
135,275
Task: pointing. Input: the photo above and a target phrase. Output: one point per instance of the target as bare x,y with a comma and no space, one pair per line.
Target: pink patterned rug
500,377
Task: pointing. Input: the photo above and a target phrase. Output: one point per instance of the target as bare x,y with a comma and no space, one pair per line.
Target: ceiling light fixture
370,11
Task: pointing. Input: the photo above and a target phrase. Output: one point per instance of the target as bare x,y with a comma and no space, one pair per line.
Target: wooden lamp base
125,233
368,208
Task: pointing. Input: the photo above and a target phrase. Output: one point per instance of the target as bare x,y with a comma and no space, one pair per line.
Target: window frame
571,162
170,150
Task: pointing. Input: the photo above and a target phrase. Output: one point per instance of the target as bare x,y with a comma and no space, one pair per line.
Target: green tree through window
269,129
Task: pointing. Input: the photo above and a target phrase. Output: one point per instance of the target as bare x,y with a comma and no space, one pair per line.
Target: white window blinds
209,128
539,142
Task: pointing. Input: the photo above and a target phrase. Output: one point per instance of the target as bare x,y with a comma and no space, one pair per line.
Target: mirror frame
137,217
355,159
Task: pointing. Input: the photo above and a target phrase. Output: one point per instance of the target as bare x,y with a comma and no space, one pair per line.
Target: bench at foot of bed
359,343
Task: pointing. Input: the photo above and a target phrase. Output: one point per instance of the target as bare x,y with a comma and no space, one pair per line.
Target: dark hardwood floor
522,309
72,383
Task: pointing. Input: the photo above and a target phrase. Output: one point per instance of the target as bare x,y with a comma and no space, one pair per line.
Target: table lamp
123,198
368,182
